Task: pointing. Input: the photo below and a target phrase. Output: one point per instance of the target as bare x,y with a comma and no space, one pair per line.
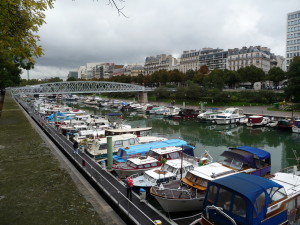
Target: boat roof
142,160
129,130
157,173
153,145
166,150
246,185
289,181
147,139
176,163
212,171
118,138
262,154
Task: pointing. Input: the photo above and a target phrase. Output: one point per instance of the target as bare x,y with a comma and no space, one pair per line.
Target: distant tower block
143,97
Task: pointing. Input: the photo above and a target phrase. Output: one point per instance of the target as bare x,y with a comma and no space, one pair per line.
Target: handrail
220,210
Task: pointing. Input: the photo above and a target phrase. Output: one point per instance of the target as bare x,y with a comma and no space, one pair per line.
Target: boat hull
180,205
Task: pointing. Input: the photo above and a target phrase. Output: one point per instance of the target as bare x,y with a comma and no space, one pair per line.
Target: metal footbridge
77,87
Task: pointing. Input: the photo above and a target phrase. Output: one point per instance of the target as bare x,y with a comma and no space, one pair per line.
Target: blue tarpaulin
262,154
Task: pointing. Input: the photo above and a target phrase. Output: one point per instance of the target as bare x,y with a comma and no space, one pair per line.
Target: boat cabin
247,159
243,199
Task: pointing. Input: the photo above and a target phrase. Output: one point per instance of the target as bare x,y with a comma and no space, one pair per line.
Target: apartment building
213,58
134,70
293,37
159,62
96,70
189,60
258,56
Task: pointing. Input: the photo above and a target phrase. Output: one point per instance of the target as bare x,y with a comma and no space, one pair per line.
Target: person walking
129,185
75,146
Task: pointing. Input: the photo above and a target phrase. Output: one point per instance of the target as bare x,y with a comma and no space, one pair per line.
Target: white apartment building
95,70
133,70
159,62
189,60
258,56
293,36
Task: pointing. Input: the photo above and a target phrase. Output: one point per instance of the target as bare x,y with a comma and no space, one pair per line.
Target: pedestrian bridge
77,87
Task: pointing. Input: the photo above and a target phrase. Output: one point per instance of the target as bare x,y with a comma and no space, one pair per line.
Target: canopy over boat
262,154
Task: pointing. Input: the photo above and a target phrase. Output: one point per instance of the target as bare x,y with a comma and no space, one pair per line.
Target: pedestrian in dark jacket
75,146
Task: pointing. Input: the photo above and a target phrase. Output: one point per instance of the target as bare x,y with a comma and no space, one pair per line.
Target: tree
231,78
251,74
276,75
190,74
293,75
20,21
71,79
204,69
54,79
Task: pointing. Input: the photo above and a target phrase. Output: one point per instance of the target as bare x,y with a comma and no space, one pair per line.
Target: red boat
186,114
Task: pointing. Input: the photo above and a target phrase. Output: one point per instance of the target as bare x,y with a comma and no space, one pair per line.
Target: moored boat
241,199
257,121
296,126
230,115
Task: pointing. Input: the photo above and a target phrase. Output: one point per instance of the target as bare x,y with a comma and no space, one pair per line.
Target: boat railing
174,193
292,170
219,210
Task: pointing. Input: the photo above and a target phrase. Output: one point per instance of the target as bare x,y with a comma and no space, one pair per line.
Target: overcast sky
82,31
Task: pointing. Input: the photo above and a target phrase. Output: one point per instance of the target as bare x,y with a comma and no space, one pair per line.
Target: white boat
257,120
173,170
209,115
230,115
173,111
296,126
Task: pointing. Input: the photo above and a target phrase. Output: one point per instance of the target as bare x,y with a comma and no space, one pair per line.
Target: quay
133,212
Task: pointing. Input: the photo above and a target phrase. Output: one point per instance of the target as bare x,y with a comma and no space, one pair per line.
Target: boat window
174,155
104,146
259,205
189,176
239,206
131,141
277,194
147,165
224,199
212,193
118,143
154,164
133,165
119,153
298,202
124,156
236,164
140,167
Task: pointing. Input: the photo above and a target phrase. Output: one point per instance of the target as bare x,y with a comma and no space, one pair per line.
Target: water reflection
217,138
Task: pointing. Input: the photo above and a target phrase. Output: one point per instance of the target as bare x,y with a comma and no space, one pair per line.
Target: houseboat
209,115
241,199
190,191
230,115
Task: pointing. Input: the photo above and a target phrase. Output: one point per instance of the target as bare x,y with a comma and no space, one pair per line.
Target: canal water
217,138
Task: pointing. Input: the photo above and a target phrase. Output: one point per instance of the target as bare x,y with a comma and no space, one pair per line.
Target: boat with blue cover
242,199
141,150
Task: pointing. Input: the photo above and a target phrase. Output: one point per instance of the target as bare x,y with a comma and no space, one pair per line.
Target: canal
217,138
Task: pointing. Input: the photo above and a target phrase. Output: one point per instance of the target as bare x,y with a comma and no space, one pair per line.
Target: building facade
213,58
293,36
258,56
159,62
189,60
73,74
